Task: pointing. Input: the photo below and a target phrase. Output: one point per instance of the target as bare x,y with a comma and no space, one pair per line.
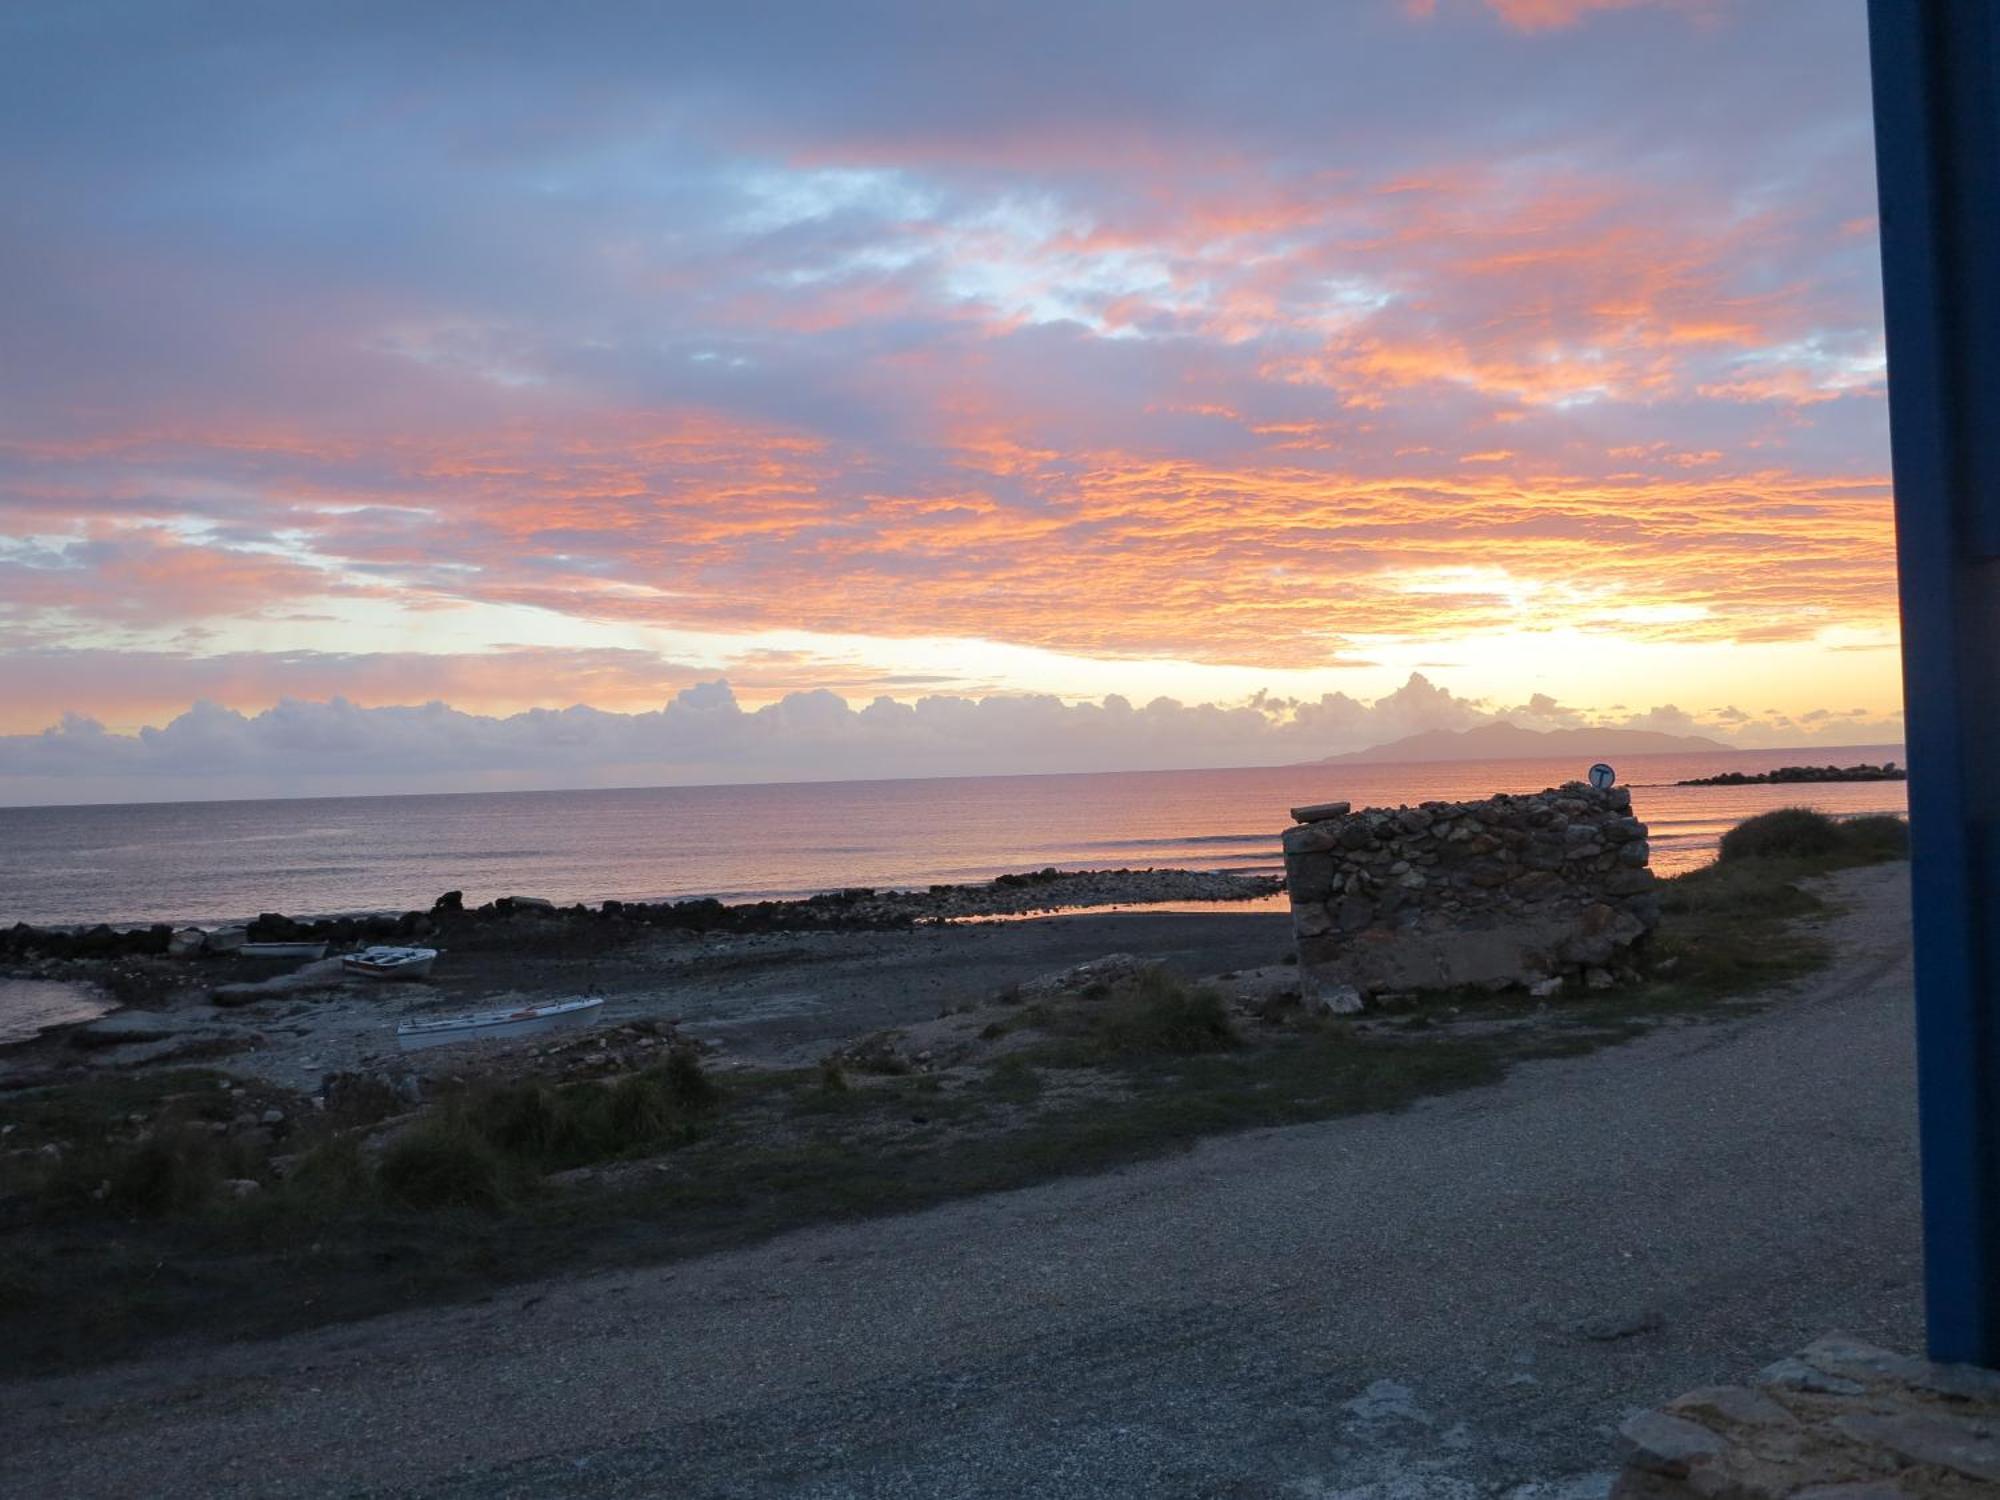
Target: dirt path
1462,1300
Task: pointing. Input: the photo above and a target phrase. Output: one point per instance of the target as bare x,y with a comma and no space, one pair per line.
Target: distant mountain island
1505,741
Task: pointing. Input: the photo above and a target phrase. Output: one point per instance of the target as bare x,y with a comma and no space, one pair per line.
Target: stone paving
1843,1420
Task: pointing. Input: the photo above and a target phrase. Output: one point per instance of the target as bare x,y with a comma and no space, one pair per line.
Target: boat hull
308,951
391,963
499,1025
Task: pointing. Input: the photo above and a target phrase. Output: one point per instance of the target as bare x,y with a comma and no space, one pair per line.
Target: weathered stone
186,942
1320,811
1796,1375
1353,913
1629,882
1844,1421
1311,918
1310,879
1312,838
1331,999
1662,1444
1543,856
1730,1405
1965,1445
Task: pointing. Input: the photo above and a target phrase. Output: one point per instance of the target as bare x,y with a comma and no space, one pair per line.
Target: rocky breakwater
1536,891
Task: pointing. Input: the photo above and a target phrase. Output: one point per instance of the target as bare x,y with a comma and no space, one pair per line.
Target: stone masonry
1532,890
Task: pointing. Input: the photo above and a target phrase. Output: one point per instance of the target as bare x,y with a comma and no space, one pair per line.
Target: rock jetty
1887,771
1536,891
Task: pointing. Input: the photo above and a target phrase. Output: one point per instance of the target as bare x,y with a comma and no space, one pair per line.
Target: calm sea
218,861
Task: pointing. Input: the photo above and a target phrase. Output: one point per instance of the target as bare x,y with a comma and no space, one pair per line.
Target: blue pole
1936,66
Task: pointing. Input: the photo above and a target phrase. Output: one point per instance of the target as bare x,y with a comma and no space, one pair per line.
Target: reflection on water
31,1005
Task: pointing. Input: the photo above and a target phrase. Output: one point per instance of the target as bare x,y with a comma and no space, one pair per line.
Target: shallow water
28,1006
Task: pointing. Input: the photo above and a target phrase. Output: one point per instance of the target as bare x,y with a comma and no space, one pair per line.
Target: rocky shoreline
854,909
1786,775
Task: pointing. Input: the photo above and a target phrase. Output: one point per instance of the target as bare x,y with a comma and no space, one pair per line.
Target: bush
1801,833
444,1163
687,1082
329,1178
1014,1078
1878,836
1158,1013
169,1172
1786,833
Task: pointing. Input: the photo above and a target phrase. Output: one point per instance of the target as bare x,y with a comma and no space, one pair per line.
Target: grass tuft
444,1163
1158,1013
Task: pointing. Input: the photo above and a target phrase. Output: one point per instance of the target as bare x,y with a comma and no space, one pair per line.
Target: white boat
486,1025
283,950
391,963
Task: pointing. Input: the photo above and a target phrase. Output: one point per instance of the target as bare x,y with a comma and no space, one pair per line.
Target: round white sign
1601,776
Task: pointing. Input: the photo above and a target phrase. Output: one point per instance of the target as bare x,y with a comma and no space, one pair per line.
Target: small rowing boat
487,1025
391,963
307,951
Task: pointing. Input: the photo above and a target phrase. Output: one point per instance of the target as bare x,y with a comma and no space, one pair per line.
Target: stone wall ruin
1535,891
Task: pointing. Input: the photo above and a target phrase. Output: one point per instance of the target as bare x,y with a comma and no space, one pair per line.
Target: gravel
1390,1307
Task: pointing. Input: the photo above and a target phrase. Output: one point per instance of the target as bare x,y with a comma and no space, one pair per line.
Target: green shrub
575,1124
444,1163
331,1177
1876,837
1803,834
520,1119
169,1172
1784,833
688,1082
638,1111
1158,1013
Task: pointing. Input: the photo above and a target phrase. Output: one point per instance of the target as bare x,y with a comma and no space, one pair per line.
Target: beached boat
391,963
308,951
487,1025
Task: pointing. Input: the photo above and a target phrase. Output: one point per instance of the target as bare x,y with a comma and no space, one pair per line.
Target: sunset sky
1334,369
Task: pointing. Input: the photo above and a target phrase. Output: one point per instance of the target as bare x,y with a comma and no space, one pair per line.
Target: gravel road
1461,1300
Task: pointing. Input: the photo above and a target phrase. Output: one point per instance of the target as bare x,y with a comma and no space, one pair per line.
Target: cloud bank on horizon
512,358
704,735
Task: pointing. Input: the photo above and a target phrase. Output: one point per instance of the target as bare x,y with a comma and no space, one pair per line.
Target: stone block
1319,812
1310,877
1311,838
1311,918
